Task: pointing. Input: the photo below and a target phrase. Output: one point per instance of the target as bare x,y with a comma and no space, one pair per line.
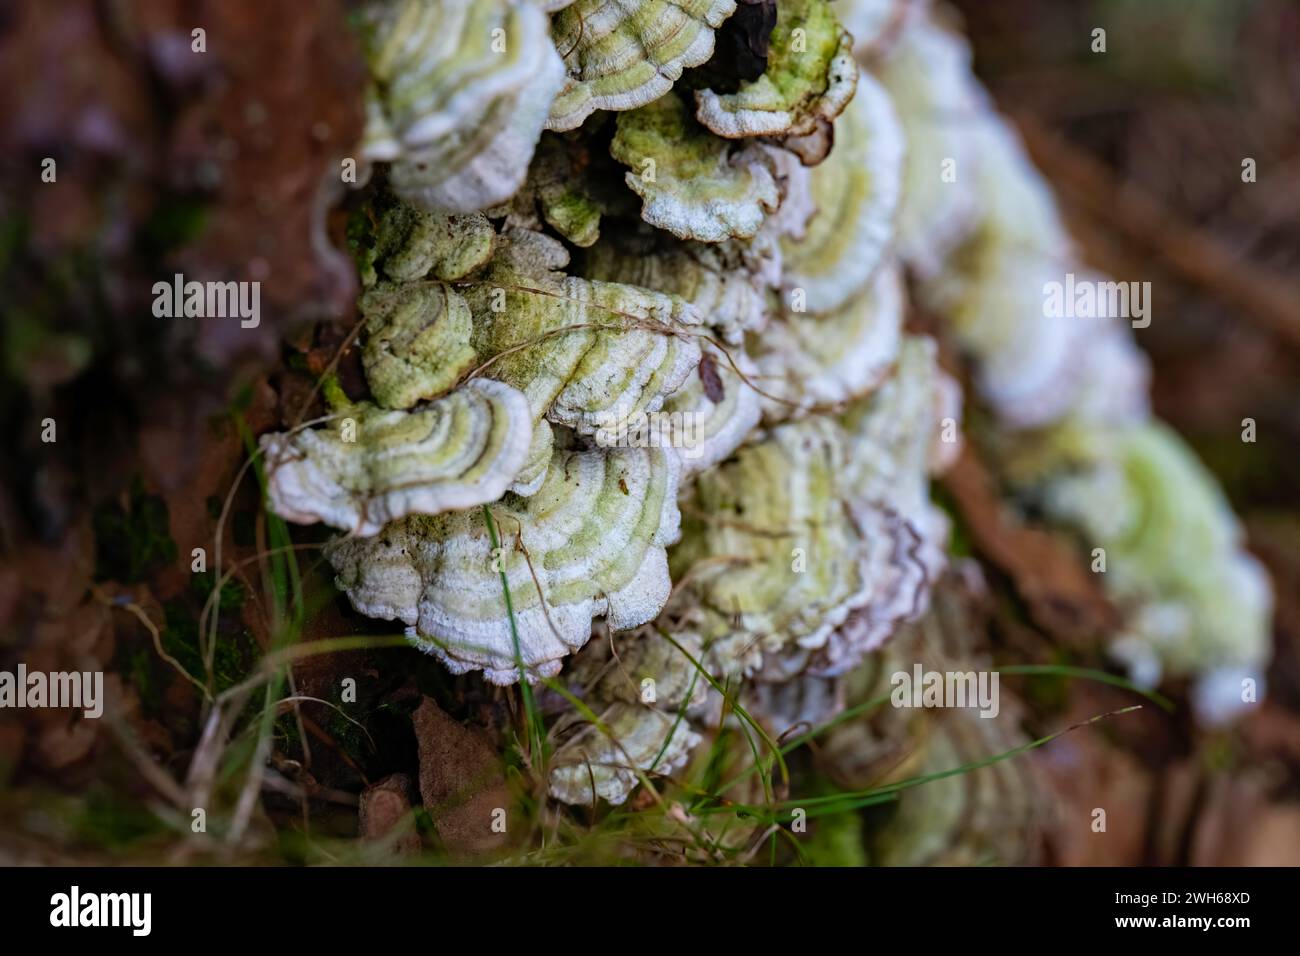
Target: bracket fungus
897,431
641,698
371,465
718,279
718,407
1198,604
590,542
874,24
782,551
1071,427
990,817
810,361
693,184
633,741
928,77
856,193
774,513
417,341
732,255
622,54
412,243
809,78
462,90
588,354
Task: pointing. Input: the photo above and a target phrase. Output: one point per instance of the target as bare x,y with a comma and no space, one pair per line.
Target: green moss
332,389
139,669
173,224
13,239
107,820
234,656
134,541
574,215
233,593
286,732
360,233
350,737
31,343
243,528
836,839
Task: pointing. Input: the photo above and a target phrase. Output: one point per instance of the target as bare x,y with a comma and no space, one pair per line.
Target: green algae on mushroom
567,197
691,183
622,54
588,543
809,546
462,90
588,354
855,193
413,243
370,465
810,77
417,341
777,511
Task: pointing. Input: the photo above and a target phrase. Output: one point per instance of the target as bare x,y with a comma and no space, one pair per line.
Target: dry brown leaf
1063,598
461,782
383,807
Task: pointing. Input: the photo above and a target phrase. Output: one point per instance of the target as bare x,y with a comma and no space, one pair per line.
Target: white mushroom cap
372,466
622,54
459,118
589,542
856,193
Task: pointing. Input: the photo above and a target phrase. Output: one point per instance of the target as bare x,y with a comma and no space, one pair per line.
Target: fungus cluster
575,224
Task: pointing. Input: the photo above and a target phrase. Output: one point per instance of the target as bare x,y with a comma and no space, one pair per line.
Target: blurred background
1144,145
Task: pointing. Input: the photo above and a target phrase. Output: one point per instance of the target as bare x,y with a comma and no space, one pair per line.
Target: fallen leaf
461,782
